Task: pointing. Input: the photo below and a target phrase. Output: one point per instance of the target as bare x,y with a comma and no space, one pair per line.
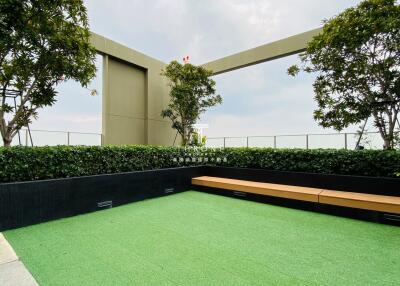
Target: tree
192,92
357,61
197,141
42,43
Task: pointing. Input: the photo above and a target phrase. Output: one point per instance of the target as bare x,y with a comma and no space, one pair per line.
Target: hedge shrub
26,164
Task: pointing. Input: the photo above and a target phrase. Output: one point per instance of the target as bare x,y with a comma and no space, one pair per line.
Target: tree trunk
184,142
7,141
388,142
184,135
387,134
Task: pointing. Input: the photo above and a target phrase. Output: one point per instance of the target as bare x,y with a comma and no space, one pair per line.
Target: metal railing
54,137
370,140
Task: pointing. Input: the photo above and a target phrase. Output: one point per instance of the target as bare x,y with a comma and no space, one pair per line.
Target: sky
258,100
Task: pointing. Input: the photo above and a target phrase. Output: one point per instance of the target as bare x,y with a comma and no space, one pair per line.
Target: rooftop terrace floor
195,238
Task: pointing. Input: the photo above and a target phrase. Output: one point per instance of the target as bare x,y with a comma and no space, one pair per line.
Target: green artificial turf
200,239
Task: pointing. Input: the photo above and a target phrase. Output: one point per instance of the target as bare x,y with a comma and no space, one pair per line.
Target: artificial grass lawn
200,239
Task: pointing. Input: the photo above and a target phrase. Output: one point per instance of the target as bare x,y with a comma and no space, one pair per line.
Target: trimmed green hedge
26,164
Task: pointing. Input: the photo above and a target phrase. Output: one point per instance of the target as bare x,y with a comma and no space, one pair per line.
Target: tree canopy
192,93
42,43
357,61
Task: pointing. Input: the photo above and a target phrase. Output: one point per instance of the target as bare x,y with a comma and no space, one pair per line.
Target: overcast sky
258,100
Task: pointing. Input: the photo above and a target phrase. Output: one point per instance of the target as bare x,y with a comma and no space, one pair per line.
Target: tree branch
20,110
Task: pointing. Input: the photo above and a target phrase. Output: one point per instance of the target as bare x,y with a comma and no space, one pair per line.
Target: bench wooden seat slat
345,199
275,190
361,201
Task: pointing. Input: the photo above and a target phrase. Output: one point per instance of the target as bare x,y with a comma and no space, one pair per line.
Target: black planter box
27,203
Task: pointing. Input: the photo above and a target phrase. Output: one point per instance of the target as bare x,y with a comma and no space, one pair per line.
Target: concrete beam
268,52
109,47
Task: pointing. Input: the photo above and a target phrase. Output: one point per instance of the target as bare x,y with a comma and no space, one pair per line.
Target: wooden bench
361,201
273,190
345,199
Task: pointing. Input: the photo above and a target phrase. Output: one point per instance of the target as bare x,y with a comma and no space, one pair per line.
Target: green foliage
344,162
194,140
42,43
192,93
357,62
38,163
293,70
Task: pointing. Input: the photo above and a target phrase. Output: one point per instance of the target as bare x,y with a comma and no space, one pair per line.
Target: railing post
307,141
68,138
247,143
345,141
275,142
224,142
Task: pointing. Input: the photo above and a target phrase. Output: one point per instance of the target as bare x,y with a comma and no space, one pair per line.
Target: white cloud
78,118
170,29
75,122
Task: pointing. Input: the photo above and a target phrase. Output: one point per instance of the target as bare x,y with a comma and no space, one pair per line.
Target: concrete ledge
15,274
7,253
12,271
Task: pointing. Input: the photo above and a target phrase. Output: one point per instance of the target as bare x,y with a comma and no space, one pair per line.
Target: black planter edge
27,203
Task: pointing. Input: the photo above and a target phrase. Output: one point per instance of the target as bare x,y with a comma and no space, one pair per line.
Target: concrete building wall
134,93
125,113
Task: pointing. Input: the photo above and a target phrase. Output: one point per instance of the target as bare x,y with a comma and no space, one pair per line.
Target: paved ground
12,271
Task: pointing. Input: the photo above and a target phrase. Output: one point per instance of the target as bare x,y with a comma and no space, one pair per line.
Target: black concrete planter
27,203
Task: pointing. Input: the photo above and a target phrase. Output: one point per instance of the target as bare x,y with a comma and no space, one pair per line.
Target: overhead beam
109,47
268,52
